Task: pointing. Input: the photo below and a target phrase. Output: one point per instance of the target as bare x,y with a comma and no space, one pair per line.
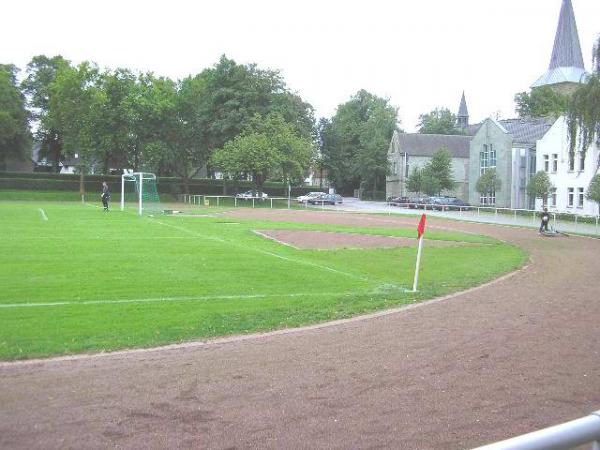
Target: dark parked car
326,199
447,203
398,201
418,202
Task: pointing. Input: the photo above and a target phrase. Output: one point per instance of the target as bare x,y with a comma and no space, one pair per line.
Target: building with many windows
515,148
570,174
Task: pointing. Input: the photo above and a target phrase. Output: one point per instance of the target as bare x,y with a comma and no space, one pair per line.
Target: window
487,158
554,162
581,162
553,197
570,197
394,168
488,200
580,197
546,163
492,156
571,162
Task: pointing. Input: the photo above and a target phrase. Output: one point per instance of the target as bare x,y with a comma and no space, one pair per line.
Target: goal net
139,189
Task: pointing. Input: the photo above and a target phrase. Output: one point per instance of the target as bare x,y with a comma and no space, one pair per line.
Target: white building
570,177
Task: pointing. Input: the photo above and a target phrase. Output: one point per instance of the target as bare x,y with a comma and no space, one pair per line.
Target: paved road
529,220
511,357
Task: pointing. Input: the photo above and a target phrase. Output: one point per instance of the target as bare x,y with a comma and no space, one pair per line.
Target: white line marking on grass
177,299
44,216
210,342
264,252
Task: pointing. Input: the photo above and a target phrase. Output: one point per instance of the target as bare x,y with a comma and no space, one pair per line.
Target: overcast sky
421,54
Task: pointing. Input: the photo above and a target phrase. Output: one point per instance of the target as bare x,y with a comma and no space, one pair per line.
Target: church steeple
566,68
462,118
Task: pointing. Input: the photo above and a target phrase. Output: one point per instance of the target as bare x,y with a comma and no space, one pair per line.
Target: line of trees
238,119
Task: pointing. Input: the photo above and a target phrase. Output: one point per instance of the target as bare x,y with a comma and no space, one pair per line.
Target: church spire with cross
566,69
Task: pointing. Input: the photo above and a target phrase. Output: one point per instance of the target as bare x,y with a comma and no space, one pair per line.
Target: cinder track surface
511,357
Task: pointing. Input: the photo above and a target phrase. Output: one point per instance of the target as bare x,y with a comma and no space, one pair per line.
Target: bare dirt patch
324,240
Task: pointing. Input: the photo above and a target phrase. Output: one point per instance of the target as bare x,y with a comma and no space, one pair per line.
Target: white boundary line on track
44,216
176,299
256,336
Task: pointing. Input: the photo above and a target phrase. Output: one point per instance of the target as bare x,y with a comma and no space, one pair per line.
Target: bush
165,185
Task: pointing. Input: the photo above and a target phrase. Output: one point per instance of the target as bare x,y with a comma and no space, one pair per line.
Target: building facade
413,150
570,176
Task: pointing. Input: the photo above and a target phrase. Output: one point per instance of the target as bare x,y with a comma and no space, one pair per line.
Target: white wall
556,141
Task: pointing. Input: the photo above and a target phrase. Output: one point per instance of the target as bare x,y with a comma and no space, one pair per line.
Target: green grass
87,281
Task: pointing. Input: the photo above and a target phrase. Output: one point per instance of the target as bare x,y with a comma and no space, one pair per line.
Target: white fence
559,437
520,217
254,202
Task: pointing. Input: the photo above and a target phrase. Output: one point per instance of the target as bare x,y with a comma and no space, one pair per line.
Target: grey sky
421,54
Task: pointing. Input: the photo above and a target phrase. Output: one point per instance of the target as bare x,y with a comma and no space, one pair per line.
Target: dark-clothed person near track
105,195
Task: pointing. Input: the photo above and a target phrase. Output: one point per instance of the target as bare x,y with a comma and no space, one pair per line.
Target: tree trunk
81,180
186,184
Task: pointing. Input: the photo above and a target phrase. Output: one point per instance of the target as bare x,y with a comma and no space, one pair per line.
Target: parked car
251,194
326,199
398,201
307,197
456,203
446,203
418,202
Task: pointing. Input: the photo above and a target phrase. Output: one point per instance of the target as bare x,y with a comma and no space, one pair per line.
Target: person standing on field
545,219
105,195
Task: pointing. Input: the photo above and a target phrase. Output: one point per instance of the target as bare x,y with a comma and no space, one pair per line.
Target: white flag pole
418,264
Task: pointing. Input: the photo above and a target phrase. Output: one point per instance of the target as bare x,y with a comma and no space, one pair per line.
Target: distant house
414,150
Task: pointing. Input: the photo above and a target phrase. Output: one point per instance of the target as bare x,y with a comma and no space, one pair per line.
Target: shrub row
165,185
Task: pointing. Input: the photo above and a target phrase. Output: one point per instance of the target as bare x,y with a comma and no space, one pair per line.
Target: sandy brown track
506,359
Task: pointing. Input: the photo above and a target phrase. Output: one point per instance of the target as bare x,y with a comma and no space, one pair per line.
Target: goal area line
181,299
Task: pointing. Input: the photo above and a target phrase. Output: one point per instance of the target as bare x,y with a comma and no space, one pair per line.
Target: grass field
75,279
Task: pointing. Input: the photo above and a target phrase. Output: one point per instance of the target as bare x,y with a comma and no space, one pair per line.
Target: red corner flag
421,227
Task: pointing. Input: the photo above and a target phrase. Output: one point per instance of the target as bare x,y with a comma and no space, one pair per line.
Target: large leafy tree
414,182
354,143
488,182
440,169
593,191
111,126
584,110
41,74
72,96
15,137
541,102
235,93
539,186
269,147
438,121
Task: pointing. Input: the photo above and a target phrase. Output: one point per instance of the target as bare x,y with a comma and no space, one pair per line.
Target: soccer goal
140,187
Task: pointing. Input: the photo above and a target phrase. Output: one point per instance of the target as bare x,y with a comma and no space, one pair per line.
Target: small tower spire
463,114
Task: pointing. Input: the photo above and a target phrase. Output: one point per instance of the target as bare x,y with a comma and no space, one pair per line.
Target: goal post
146,192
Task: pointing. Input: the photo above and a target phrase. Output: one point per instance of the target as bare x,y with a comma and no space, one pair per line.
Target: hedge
165,185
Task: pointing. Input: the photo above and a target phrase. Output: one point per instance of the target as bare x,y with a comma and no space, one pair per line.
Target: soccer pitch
75,279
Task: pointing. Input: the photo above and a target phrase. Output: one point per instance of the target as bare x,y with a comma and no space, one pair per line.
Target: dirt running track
509,358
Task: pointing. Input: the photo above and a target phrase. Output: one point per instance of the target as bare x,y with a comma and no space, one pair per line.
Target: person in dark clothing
105,195
545,219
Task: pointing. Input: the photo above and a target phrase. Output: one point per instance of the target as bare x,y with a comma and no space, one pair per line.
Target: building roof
566,63
527,131
417,144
